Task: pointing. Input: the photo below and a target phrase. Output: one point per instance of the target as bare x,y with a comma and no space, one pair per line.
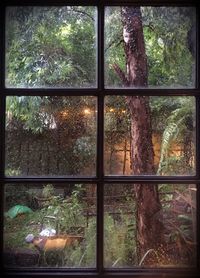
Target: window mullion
2,167
2,126
100,140
198,133
2,97
198,225
2,135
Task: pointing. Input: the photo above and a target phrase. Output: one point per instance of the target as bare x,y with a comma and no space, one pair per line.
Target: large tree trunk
149,215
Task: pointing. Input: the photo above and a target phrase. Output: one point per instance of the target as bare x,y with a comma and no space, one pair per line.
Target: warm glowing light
87,111
123,111
111,110
64,113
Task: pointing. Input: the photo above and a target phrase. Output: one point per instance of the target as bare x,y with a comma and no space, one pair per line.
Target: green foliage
114,52
119,229
179,125
68,214
47,191
169,133
119,242
51,46
170,61
57,48
85,146
169,58
28,112
15,230
84,254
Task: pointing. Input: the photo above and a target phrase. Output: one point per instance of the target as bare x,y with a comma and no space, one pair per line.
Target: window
100,136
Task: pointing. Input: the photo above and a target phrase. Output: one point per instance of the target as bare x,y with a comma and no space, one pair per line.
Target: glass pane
150,226
50,136
50,225
150,47
51,47
149,135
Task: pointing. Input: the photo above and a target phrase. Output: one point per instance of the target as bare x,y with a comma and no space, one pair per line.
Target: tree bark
149,215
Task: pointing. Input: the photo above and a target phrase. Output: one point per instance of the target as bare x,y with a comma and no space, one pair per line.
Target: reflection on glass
150,46
50,136
50,225
51,47
145,136
130,219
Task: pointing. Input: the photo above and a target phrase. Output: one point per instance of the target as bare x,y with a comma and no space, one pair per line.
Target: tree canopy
57,47
51,47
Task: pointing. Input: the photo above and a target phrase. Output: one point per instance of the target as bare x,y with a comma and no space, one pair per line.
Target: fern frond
170,133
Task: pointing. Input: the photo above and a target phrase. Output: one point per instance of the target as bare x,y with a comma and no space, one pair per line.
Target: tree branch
121,75
84,13
114,43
